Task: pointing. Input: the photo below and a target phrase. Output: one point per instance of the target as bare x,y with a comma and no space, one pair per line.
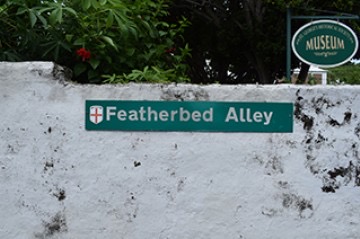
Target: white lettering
268,117
248,115
324,42
152,113
163,115
133,115
184,114
122,115
242,119
231,115
110,112
148,114
142,112
258,117
196,116
173,113
327,41
208,115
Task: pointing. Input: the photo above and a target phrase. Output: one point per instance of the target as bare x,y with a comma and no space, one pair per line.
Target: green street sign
325,43
200,116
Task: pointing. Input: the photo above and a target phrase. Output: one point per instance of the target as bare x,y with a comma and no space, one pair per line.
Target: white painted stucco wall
59,181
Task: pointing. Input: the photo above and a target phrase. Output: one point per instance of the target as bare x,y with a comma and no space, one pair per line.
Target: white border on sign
324,21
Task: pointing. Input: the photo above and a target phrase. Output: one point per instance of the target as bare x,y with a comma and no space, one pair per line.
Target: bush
346,74
111,40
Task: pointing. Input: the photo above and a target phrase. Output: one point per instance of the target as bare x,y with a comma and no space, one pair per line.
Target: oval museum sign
325,43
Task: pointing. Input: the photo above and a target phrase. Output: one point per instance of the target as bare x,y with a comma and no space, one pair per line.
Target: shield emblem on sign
96,114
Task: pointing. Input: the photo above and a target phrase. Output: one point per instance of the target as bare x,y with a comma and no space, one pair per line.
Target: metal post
288,43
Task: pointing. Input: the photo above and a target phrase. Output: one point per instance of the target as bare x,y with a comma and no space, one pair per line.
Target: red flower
84,54
170,50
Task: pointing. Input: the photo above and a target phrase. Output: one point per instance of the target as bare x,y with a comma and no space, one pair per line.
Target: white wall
59,181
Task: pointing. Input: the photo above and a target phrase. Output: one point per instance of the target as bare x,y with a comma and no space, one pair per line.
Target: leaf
56,53
65,46
109,59
92,75
79,42
157,70
109,78
130,51
50,46
94,63
56,16
59,15
121,24
110,19
69,37
134,32
43,20
109,41
70,10
79,68
42,10
86,4
147,26
102,2
162,33
21,10
32,17
95,4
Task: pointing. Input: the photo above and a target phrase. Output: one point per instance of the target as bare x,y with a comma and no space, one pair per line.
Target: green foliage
154,73
95,37
346,74
248,37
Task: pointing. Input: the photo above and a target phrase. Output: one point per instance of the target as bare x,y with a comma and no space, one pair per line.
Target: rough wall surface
61,181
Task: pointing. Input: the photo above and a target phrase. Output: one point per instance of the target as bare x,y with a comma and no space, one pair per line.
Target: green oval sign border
314,23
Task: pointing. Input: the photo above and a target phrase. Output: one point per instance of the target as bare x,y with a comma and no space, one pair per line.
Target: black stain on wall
357,131
332,178
347,117
56,225
308,121
61,195
292,200
48,164
337,177
335,123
